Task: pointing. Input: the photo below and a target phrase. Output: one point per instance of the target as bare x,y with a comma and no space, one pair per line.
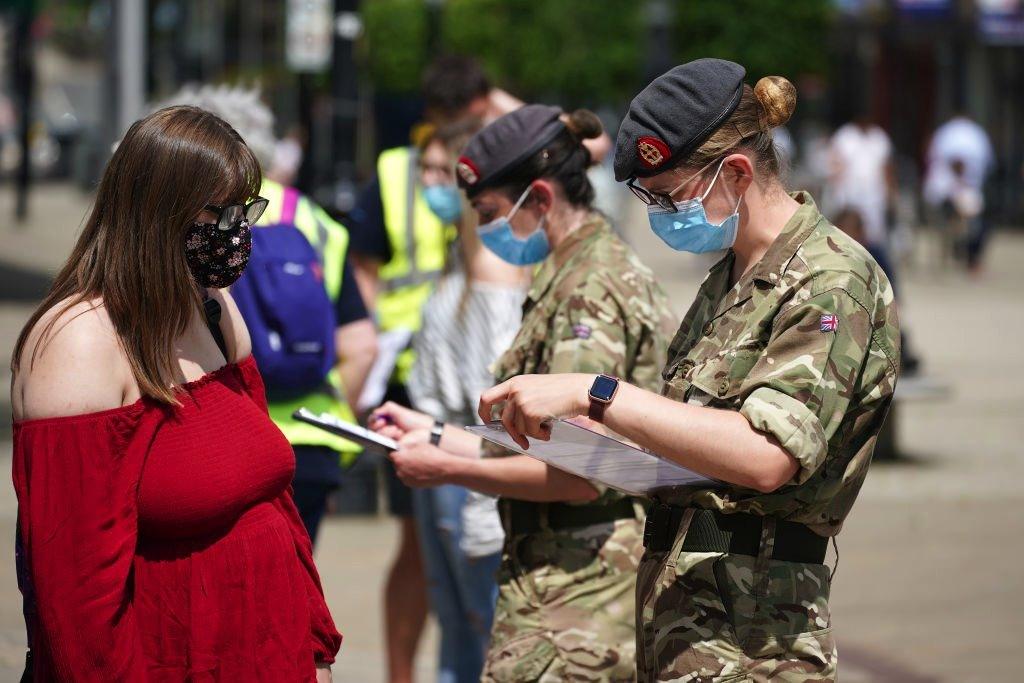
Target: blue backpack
284,304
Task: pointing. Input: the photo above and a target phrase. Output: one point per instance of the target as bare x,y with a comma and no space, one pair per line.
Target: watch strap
596,410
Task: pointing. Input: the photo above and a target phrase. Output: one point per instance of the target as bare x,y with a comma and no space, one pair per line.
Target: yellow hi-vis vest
419,242
330,241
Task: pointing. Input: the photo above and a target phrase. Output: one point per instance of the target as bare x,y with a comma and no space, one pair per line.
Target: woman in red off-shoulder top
158,534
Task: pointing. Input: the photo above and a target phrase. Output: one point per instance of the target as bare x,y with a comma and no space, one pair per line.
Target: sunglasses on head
662,199
231,216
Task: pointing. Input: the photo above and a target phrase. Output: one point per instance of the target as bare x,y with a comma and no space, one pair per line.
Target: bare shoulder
236,334
72,364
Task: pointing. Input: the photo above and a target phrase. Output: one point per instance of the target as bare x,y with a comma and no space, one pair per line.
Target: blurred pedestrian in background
399,245
469,320
960,159
302,305
160,539
565,603
862,178
860,196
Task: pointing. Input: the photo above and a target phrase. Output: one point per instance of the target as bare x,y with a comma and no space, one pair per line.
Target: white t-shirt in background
959,139
859,159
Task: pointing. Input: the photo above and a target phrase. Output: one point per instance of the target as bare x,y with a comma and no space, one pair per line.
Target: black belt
523,517
711,531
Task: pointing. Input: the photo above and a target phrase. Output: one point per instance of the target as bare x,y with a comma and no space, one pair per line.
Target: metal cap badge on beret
674,115
500,147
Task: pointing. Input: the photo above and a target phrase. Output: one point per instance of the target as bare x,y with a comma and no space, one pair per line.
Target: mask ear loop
714,180
515,207
519,202
739,199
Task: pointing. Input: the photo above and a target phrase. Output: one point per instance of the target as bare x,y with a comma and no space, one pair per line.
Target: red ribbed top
163,545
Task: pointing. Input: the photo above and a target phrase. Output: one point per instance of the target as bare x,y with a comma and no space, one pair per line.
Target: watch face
603,388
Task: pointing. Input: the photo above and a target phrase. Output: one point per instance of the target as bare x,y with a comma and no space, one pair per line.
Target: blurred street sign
925,8
309,35
1001,22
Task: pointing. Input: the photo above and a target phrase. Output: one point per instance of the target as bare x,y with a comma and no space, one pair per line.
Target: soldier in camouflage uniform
566,595
566,605
800,339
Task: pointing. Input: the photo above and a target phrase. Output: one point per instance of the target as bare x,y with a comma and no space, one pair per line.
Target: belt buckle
656,528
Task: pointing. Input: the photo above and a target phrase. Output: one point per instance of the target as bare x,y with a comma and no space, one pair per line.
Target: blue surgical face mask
444,201
687,228
499,238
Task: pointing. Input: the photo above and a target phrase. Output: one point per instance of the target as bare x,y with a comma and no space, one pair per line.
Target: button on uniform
709,328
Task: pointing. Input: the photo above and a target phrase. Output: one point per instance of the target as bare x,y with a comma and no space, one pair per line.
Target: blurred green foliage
71,29
583,51
589,52
768,37
396,42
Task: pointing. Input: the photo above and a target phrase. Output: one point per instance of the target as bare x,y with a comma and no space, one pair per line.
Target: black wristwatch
436,431
602,391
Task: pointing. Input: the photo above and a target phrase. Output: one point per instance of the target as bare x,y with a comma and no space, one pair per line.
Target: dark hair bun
777,97
584,124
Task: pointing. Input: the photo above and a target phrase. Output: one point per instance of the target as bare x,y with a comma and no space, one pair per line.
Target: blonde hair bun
777,97
584,124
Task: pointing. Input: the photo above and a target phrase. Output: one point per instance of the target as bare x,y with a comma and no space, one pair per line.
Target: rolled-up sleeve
801,387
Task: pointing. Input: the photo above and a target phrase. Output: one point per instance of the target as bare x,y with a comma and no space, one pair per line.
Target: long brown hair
131,254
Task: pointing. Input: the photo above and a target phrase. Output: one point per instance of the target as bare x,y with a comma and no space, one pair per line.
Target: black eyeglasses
649,198
231,216
662,199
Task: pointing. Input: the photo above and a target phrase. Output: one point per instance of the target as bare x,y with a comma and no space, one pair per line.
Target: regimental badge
652,151
829,322
467,171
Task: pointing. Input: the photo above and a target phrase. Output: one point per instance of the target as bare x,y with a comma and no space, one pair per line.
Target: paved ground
929,587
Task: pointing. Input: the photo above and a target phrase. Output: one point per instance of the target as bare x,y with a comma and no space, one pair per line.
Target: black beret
674,115
507,142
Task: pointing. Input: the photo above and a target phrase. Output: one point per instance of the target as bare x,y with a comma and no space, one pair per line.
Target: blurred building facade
342,75
915,63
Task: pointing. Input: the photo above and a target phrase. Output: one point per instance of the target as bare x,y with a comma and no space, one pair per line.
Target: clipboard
601,459
364,437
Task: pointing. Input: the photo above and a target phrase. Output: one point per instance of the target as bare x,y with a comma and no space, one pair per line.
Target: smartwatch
436,431
602,392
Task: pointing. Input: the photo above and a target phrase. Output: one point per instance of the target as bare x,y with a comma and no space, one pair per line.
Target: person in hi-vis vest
398,248
320,457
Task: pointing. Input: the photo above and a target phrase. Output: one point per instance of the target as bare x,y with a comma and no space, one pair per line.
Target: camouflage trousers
714,617
566,606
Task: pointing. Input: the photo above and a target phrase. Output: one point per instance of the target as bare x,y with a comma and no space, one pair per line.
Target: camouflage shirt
592,307
806,347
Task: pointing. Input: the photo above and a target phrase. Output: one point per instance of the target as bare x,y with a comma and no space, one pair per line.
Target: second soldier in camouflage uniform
566,595
566,586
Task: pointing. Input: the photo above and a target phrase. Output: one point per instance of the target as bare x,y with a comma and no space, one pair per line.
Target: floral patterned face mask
217,257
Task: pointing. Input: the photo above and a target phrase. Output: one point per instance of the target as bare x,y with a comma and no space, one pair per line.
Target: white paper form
389,346
599,458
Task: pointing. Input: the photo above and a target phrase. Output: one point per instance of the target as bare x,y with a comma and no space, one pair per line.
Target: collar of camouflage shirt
770,269
564,256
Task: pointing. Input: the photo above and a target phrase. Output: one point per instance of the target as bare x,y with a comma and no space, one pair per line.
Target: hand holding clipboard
364,437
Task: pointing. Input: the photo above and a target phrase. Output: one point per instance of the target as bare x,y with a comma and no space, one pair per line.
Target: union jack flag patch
581,331
830,322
